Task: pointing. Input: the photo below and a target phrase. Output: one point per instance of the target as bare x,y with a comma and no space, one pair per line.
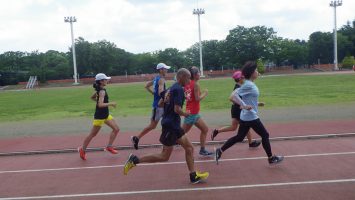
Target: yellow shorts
100,122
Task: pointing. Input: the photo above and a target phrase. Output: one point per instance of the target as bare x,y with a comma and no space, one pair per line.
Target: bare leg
93,133
200,124
161,157
189,152
112,124
153,124
232,127
186,127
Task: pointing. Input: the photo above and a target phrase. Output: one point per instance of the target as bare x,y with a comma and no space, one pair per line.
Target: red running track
313,169
73,141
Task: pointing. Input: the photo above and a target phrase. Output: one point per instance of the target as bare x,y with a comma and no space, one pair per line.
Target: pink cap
237,75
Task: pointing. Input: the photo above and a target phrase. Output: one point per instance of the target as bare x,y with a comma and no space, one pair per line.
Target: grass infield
133,99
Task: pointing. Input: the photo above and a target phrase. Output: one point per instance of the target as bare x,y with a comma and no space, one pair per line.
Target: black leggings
244,127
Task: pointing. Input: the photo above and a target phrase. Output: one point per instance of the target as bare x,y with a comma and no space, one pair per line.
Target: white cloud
143,26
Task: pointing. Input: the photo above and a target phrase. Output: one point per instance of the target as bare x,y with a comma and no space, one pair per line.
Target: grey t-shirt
249,92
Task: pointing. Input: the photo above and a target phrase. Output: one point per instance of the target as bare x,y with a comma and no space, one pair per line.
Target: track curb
126,147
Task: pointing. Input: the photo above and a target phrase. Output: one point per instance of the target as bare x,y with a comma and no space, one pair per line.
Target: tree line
241,44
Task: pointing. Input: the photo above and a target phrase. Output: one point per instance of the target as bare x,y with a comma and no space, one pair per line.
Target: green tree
243,44
144,63
101,56
320,47
290,52
172,57
12,61
192,55
348,30
260,66
344,46
83,52
57,65
212,51
348,62
38,67
211,54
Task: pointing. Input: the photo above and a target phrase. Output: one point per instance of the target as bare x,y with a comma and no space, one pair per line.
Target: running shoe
275,160
129,163
204,152
198,177
214,134
254,144
82,153
111,150
135,141
218,155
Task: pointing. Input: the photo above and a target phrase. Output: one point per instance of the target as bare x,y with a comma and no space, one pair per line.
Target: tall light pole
198,12
71,20
335,4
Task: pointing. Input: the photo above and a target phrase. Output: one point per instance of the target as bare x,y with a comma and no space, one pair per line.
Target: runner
249,118
172,131
158,84
102,115
235,113
193,97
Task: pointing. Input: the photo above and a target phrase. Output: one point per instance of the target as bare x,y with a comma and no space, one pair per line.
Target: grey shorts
157,114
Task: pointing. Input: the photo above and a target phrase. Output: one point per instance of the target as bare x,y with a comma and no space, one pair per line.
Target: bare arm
161,85
161,103
148,86
93,96
197,92
164,99
180,112
237,100
101,103
231,98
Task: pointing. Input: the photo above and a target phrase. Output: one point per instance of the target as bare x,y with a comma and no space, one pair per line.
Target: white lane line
228,187
173,163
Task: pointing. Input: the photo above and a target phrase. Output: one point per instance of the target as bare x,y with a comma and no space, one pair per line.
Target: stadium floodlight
335,4
71,20
198,12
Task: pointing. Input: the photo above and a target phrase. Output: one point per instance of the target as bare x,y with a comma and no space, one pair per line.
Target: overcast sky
148,25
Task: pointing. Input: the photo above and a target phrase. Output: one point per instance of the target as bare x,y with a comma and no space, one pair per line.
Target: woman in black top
102,115
235,113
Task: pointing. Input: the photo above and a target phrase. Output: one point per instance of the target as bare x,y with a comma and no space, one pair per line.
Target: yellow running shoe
197,177
202,175
129,163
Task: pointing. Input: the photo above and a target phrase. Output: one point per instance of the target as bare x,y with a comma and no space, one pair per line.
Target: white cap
101,76
162,66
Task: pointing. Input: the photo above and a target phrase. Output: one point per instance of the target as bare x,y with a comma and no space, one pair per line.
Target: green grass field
132,99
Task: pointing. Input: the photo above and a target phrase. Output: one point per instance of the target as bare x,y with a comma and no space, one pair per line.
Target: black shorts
235,112
169,135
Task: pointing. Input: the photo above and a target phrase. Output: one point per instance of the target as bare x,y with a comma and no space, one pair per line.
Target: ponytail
97,85
193,71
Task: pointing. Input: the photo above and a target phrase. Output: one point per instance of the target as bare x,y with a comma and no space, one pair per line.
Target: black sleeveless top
101,113
236,107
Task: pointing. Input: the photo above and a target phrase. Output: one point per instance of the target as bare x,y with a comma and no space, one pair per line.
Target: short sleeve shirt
177,97
249,92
